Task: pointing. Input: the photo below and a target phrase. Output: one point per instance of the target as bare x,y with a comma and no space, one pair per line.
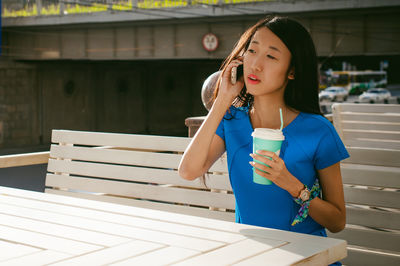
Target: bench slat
139,174
148,142
366,108
368,117
380,198
365,125
373,143
149,159
189,210
370,238
143,191
373,218
370,175
371,134
369,156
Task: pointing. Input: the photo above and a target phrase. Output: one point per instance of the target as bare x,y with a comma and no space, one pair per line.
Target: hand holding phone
236,73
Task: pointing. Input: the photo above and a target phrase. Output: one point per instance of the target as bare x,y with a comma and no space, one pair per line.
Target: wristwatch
303,196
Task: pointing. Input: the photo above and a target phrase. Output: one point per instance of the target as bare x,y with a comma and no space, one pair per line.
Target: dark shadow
31,177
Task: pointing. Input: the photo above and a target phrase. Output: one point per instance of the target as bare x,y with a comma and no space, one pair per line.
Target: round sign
210,42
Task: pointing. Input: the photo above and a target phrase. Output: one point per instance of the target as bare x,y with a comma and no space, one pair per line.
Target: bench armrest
24,159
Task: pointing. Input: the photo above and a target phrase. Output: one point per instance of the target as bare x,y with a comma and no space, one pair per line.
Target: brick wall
18,105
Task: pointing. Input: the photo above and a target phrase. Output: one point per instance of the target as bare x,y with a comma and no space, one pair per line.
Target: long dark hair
301,93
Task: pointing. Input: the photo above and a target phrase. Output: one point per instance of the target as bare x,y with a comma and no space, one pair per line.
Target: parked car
375,95
334,94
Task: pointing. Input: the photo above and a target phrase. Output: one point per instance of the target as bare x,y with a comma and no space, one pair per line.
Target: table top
40,228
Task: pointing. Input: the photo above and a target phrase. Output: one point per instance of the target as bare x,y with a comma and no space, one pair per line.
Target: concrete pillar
39,7
109,4
62,7
365,34
134,4
1,133
334,39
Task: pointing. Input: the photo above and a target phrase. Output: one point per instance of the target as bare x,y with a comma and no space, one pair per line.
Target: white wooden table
39,228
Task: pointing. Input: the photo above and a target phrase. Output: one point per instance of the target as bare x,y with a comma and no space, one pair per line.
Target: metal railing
26,8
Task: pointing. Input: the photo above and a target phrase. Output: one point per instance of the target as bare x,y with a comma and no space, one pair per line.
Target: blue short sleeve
228,116
330,149
220,130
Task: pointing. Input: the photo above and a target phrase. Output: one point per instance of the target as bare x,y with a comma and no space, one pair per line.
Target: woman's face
266,63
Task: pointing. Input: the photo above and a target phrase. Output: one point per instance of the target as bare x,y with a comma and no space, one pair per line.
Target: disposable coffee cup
269,140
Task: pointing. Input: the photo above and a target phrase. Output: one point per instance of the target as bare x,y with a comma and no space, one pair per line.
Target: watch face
305,195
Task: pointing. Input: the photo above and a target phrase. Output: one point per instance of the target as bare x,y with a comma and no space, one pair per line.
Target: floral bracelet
303,211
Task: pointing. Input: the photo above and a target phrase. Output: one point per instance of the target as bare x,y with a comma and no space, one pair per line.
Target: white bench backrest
371,177
368,125
124,167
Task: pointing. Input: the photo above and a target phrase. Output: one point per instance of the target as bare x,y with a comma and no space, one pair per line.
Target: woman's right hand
206,146
227,91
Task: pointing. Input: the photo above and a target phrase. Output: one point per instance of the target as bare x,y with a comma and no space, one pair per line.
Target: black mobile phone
239,72
236,74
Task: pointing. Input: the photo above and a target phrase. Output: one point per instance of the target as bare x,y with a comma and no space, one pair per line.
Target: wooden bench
371,178
137,170
141,170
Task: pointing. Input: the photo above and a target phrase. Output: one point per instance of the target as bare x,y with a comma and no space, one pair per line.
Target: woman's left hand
276,172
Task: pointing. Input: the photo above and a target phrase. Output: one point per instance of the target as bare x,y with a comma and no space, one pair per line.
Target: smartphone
236,73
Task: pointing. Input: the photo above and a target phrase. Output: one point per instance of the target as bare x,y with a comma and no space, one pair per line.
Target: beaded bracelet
303,211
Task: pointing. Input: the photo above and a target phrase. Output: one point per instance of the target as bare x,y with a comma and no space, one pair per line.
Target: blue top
311,143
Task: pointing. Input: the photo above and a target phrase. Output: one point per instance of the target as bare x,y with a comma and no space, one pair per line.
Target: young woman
280,71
